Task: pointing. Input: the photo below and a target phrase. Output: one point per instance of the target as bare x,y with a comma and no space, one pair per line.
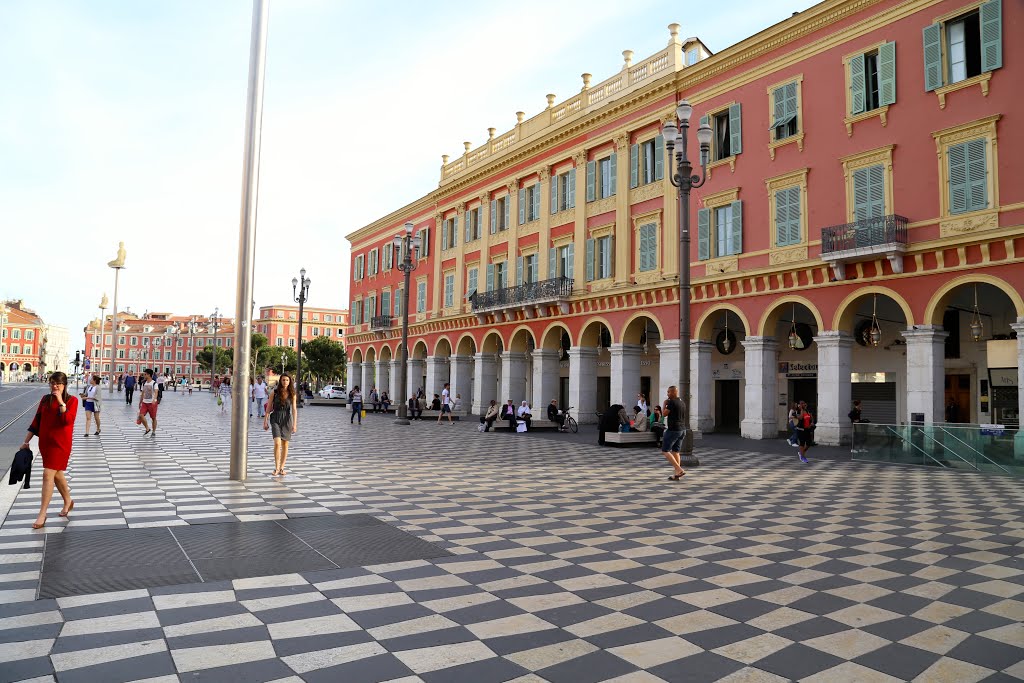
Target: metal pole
403,406
103,336
247,237
113,324
298,348
686,456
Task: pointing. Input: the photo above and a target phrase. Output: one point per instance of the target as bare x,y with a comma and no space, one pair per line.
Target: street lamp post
215,321
192,327
117,264
3,339
103,336
300,292
684,180
408,258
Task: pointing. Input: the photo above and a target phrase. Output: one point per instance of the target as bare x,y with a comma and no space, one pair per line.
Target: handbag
220,401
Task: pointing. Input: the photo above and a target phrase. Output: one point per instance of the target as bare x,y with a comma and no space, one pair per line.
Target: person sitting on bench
640,420
555,415
508,412
490,416
524,414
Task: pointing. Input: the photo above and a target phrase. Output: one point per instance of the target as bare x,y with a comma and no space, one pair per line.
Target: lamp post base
402,417
686,456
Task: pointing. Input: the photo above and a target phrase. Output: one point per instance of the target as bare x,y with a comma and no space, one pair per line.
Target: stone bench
540,426
623,438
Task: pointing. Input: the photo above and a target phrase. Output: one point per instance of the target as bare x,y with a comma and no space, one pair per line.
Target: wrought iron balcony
380,322
865,240
526,296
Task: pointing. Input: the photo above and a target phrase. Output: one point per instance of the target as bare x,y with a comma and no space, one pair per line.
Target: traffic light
78,359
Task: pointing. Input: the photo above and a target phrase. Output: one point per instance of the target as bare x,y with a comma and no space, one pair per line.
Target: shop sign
1003,377
991,429
727,371
796,369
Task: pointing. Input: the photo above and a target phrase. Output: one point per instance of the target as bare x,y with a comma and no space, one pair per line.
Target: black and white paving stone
569,563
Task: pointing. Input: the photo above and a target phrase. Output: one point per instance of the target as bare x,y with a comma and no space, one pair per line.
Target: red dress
55,430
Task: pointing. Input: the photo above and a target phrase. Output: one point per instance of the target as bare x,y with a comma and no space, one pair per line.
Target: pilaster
367,381
396,391
835,361
437,374
461,377
579,269
583,383
485,384
384,378
1018,440
623,226
513,377
668,370
702,418
545,378
625,373
762,387
925,371
417,366
355,375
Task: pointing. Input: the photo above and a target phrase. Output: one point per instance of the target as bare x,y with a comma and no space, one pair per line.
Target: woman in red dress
54,424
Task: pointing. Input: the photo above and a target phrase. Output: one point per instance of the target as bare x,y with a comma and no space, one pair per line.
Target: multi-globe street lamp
408,252
684,180
104,302
300,292
193,327
117,264
215,321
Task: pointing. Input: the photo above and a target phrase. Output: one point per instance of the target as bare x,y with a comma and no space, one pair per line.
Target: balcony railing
865,240
866,233
544,291
380,322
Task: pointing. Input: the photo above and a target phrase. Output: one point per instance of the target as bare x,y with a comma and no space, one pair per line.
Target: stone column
759,361
1018,440
925,371
355,375
415,378
625,374
513,377
702,413
397,392
545,380
835,361
437,375
461,377
384,378
668,370
583,383
367,381
485,382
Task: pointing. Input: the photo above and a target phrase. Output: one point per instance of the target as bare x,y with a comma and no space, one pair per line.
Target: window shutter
858,85
778,105
494,216
634,165
977,172
613,164
571,265
737,227
554,194
887,74
659,157
385,303
490,277
571,199
932,37
444,234
591,180
782,218
611,257
735,129
861,194
522,205
508,211
468,235
648,257
552,264
536,202
703,234
791,109
991,35
590,260
876,193
455,232
794,216
425,241
519,270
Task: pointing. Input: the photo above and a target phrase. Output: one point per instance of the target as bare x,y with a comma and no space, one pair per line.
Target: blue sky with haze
123,120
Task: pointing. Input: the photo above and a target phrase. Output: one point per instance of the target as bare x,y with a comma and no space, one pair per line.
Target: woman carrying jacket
54,426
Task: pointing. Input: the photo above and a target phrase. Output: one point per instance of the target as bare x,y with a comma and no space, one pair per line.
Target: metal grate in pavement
79,563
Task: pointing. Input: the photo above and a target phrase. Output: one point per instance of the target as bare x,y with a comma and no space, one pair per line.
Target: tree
258,345
325,359
272,356
224,358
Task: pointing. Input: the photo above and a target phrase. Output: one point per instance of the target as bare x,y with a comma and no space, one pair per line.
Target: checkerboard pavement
570,563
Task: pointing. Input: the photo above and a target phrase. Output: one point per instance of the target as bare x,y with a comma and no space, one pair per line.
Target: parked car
333,391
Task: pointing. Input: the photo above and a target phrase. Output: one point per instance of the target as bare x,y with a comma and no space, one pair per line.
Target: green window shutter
641,262
861,194
591,180
932,38
634,165
571,261
385,303
737,227
508,211
648,248
554,194
455,231
552,264
468,236
703,234
876,192
794,216
490,277
519,270
778,106
494,216
735,129
659,157
977,172
425,246
614,173
522,205
782,218
858,85
590,260
791,109
571,203
991,35
536,201
887,74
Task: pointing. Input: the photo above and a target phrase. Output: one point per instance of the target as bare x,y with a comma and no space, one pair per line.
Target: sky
123,120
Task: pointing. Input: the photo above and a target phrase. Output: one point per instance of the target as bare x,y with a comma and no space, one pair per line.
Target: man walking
129,388
259,394
148,403
446,404
672,441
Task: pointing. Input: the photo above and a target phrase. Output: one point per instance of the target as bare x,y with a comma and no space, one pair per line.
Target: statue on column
104,302
119,261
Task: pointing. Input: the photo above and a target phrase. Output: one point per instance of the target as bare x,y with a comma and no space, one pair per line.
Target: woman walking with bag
224,395
54,425
283,418
357,405
93,397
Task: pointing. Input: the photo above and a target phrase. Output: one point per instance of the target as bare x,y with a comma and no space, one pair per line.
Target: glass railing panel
975,447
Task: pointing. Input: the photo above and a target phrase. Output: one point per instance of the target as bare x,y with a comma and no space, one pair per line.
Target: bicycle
569,423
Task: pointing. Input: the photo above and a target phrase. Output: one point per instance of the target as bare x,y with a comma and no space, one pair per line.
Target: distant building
21,341
56,347
279,323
